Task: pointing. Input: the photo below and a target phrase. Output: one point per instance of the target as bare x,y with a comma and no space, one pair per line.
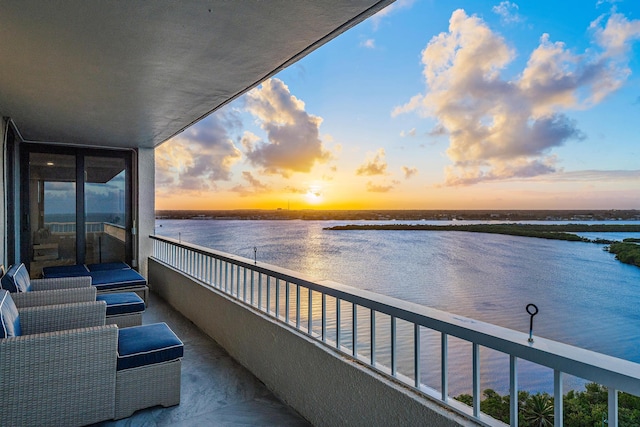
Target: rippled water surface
585,296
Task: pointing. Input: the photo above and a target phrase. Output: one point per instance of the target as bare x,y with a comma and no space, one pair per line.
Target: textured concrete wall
324,387
146,206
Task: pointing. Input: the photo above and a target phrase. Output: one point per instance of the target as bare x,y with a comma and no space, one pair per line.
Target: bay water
585,296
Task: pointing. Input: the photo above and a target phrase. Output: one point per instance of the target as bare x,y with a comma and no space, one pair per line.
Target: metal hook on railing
255,255
532,309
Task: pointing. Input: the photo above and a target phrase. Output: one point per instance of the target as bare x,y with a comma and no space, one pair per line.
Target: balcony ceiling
135,73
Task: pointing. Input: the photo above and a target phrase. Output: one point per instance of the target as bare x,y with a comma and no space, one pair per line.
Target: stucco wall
146,206
324,387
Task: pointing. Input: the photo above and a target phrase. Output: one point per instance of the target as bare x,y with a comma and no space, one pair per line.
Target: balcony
295,333
215,388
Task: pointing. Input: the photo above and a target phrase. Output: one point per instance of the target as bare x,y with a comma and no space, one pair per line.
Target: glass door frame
80,154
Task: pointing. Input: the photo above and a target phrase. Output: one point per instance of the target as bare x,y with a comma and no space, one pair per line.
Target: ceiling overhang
136,73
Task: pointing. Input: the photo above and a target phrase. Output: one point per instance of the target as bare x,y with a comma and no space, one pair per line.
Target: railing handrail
603,369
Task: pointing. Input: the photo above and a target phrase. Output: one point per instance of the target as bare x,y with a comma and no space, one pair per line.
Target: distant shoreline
404,215
544,231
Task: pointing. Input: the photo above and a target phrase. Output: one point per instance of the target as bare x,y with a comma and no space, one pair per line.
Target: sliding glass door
52,209
77,208
106,211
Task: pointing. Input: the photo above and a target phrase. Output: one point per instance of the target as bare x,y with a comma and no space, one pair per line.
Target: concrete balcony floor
216,390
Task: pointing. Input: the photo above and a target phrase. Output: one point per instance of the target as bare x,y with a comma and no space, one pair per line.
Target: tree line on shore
581,408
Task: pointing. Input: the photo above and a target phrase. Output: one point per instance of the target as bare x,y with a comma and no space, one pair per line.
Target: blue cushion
65,271
147,344
122,303
16,279
9,318
118,265
113,279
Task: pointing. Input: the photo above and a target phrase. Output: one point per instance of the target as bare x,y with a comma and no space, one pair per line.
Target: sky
432,105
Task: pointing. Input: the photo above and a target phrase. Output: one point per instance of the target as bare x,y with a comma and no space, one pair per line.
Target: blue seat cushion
122,303
16,279
147,344
118,265
9,317
65,271
113,279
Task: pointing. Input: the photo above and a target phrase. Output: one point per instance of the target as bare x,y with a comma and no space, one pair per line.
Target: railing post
513,391
259,291
354,329
277,298
373,337
416,355
297,306
338,323
394,347
613,408
476,379
558,395
310,312
444,355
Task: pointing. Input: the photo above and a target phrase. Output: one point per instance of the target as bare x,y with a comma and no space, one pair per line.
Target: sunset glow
432,105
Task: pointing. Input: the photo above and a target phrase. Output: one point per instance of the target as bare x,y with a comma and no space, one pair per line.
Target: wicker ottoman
123,309
149,368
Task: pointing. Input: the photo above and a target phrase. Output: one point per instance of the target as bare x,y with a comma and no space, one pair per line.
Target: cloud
293,143
508,12
504,129
374,165
594,176
438,130
393,7
296,190
255,186
617,35
612,2
383,188
369,44
411,133
409,172
198,157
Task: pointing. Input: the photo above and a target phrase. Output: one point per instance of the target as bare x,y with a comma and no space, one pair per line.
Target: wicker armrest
56,296
48,318
67,377
60,283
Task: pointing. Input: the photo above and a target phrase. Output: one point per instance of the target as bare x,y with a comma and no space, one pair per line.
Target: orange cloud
374,165
293,143
199,157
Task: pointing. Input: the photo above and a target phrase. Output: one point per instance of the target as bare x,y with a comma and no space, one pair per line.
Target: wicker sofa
123,308
61,369
60,290
61,365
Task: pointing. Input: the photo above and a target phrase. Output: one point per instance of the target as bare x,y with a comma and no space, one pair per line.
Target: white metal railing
305,307
70,227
